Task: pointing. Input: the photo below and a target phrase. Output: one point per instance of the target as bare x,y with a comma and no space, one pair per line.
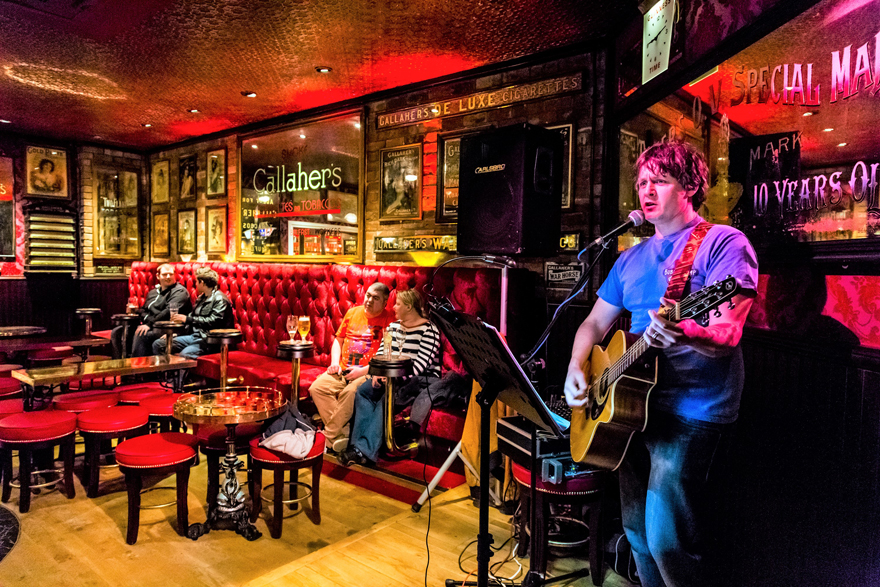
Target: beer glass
291,326
303,326
173,307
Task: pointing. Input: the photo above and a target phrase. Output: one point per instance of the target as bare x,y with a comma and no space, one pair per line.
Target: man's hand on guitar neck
717,339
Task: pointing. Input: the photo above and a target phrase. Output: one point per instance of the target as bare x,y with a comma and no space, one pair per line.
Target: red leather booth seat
264,295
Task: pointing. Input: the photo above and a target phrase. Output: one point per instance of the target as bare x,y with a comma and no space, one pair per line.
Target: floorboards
364,539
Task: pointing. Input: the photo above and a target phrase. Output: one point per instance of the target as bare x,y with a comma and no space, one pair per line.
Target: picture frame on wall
46,172
215,229
186,232
400,183
567,132
161,235
215,164
7,210
159,181
449,150
189,166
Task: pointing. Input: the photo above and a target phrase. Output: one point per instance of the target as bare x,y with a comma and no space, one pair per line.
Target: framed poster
400,183
187,174
160,235
447,186
215,163
159,182
186,231
46,172
7,209
116,212
567,132
215,229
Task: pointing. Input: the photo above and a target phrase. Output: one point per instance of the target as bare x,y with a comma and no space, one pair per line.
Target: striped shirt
422,343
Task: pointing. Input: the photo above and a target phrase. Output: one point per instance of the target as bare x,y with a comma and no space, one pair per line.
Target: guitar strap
682,271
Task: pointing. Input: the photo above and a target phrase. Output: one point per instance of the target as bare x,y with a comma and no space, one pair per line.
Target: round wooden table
126,320
86,314
170,329
389,367
295,351
20,331
230,407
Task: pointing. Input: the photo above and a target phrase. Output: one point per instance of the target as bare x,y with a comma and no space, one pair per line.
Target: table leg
294,382
168,339
224,362
125,340
231,502
88,320
389,422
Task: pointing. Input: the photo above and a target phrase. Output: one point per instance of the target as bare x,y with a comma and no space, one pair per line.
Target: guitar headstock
703,300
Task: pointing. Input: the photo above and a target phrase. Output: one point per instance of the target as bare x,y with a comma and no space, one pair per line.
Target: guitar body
601,434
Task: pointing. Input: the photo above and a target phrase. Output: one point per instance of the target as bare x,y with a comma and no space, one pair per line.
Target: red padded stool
278,462
134,393
32,431
86,400
104,424
50,356
212,444
7,369
586,489
7,408
156,454
9,387
161,410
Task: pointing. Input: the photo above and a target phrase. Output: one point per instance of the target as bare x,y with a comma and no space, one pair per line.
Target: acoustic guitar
620,379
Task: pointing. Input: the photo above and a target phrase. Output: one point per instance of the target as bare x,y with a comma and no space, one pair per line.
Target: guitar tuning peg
717,313
731,305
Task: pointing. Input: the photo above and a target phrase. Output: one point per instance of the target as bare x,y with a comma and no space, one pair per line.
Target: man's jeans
664,498
188,346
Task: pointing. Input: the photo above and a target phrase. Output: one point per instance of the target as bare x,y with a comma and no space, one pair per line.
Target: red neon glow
308,213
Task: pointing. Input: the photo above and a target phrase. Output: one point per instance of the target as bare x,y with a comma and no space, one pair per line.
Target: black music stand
489,360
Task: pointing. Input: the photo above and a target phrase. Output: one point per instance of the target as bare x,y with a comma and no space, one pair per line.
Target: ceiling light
841,144
323,69
146,124
351,218
356,124
249,94
302,135
253,146
193,110
808,113
827,129
5,121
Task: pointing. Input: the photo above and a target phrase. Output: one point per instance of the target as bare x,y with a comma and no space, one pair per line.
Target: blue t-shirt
690,384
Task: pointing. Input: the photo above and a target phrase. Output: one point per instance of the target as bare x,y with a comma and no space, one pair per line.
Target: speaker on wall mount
510,191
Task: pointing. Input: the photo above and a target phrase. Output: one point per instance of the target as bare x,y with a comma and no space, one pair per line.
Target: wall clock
657,39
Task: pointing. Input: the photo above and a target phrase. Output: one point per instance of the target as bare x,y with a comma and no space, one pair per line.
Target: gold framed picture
215,164
159,182
186,232
46,172
400,183
215,229
160,235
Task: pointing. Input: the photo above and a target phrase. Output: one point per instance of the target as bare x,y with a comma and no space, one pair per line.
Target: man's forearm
716,340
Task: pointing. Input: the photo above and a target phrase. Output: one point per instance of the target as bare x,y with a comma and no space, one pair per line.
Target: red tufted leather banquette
263,295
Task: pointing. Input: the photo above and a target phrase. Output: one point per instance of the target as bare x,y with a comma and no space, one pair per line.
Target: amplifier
553,453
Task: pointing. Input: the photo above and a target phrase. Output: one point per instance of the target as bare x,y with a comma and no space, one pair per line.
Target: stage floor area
364,539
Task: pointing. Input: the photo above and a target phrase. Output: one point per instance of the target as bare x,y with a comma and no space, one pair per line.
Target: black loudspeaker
510,192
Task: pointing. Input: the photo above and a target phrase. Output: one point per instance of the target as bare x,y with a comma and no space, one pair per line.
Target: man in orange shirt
357,340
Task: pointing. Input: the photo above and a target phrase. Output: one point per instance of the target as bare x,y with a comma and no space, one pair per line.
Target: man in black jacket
212,310
155,308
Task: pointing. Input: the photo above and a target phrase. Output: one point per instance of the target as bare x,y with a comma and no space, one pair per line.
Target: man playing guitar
700,378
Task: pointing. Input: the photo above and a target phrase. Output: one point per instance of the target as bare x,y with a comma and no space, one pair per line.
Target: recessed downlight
323,69
5,121
841,144
808,114
249,94
146,124
193,110
827,129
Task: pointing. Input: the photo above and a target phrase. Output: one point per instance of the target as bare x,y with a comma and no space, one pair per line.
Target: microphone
636,218
499,260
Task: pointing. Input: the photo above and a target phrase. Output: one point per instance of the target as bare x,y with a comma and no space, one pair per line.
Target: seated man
360,334
155,308
212,310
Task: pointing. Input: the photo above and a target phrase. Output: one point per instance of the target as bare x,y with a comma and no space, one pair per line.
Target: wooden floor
364,539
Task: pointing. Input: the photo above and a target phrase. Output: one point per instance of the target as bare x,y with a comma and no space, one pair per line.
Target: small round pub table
20,331
86,314
170,329
391,367
230,406
127,321
295,351
224,337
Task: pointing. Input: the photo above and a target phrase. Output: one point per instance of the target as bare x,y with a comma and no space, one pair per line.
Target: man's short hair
164,266
207,276
683,162
382,288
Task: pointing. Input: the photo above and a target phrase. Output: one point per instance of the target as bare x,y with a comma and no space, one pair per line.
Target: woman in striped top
421,341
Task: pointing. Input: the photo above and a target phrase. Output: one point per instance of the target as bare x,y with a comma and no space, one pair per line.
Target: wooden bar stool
586,489
278,463
156,454
86,315
169,329
294,352
105,424
32,431
224,337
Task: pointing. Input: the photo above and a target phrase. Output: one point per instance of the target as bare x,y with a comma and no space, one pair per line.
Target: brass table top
43,376
236,405
16,331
